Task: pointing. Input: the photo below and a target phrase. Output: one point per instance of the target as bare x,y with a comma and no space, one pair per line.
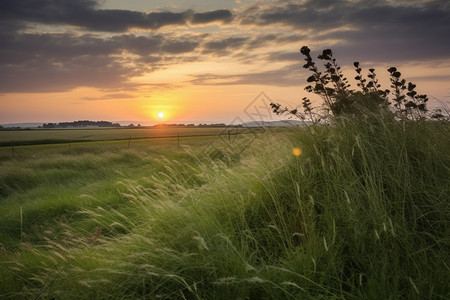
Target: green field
63,135
362,213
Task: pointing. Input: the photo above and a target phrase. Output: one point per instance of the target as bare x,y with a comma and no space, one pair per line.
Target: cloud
107,51
85,14
286,76
20,48
44,75
177,47
60,62
223,46
284,56
222,15
414,29
111,96
261,41
140,45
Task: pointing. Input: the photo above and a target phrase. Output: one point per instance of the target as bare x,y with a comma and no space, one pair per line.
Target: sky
203,60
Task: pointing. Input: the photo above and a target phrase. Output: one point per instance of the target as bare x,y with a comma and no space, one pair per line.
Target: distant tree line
212,125
87,123
83,123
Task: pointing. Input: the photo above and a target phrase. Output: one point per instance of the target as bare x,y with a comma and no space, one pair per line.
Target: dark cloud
122,20
19,48
222,15
414,29
27,47
47,75
141,45
177,47
58,62
86,14
222,47
150,59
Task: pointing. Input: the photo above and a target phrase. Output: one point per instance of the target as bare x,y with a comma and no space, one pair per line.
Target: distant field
47,136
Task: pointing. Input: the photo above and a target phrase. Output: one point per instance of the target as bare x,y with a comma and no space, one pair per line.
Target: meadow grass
362,213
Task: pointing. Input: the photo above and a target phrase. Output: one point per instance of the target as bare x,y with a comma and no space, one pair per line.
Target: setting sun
160,115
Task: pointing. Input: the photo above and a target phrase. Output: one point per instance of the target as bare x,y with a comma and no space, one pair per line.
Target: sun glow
160,115
297,151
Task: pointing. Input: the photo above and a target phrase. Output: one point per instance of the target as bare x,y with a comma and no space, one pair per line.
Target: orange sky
202,61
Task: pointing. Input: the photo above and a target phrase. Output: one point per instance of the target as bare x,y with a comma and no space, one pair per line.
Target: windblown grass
362,213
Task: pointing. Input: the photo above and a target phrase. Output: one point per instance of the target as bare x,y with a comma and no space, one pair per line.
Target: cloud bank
49,46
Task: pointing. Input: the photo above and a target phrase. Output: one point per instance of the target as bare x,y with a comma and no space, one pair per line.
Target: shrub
339,99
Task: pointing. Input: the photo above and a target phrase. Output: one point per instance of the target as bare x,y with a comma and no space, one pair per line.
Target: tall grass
363,213
380,193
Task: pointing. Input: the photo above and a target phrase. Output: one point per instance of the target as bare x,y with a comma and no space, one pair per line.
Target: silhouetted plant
417,103
320,80
336,77
280,110
372,86
308,111
414,107
339,99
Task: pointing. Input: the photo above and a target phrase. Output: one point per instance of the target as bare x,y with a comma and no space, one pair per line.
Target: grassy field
362,213
65,135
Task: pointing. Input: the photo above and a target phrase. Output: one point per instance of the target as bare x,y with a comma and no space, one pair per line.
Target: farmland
51,136
359,212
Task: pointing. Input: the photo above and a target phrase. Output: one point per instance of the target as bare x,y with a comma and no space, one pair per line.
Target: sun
160,115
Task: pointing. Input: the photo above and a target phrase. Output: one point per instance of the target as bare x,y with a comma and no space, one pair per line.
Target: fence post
12,150
229,138
178,140
129,141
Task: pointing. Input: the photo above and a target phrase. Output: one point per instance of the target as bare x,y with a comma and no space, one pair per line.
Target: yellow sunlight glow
160,115
297,151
